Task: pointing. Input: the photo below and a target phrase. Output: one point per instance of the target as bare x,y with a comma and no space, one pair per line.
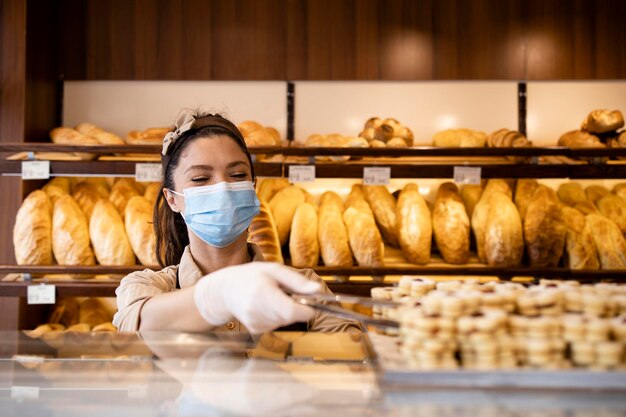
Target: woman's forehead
214,151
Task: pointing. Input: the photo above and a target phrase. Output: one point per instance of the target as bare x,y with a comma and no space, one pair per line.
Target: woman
212,278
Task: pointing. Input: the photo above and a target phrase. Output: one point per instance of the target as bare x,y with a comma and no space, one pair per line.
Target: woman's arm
172,311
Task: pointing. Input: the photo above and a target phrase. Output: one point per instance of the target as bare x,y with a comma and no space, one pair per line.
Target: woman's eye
200,179
239,175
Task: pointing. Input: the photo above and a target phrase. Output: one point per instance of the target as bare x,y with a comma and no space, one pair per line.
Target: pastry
108,236
283,206
523,194
102,136
609,241
451,225
303,245
571,193
138,222
544,229
414,225
504,241
580,248
383,205
70,234
262,232
32,233
603,121
332,233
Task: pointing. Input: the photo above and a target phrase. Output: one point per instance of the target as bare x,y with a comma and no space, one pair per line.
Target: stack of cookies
494,325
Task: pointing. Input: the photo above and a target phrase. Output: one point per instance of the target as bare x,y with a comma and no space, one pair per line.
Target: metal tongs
327,303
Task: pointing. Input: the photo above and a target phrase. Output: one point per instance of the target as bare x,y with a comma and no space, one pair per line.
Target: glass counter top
279,374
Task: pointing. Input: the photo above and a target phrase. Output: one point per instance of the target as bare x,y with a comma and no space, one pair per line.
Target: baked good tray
394,371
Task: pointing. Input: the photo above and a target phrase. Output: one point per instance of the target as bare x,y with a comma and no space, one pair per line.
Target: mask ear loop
174,192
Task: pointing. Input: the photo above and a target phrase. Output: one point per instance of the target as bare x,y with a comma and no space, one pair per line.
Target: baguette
414,225
263,233
451,225
383,206
303,244
332,232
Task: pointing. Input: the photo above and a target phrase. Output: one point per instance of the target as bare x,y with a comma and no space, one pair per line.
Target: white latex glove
252,293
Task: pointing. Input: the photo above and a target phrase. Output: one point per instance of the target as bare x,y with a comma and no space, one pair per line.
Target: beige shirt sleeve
326,322
137,288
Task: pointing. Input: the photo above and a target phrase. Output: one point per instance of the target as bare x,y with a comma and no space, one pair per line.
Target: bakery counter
284,373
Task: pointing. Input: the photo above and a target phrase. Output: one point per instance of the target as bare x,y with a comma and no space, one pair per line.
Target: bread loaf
620,190
86,195
93,313
303,245
152,192
481,211
140,230
603,121
102,136
108,235
262,232
544,229
460,138
609,241
586,207
151,136
523,195
65,312
100,185
53,192
68,136
123,190
451,225
580,248
259,138
579,139
32,233
70,234
471,194
383,204
414,225
504,239
614,208
267,188
365,240
248,127
596,192
62,182
331,232
283,206
571,193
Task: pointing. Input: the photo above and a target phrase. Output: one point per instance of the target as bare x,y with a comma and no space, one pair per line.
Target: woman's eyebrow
205,167
235,163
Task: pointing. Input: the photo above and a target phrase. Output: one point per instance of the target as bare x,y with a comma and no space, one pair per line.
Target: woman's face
208,161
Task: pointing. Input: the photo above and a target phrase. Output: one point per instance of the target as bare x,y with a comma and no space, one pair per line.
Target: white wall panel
121,106
426,107
554,108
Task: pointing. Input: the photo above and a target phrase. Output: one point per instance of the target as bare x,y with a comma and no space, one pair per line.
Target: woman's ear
170,197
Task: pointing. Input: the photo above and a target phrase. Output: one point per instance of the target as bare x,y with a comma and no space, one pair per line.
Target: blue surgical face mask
218,214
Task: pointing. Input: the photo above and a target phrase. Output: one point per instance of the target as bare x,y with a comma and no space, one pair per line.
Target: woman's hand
254,294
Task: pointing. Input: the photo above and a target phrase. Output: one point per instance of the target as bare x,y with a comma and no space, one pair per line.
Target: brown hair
169,226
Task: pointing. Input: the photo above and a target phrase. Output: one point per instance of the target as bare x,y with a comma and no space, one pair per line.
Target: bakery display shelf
114,168
421,151
415,169
394,371
105,149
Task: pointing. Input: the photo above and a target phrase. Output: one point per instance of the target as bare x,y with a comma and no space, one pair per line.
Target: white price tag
28,359
41,294
35,170
301,173
376,175
138,391
24,393
467,175
148,173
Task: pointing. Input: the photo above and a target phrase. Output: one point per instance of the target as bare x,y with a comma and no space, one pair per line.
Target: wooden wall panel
342,39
